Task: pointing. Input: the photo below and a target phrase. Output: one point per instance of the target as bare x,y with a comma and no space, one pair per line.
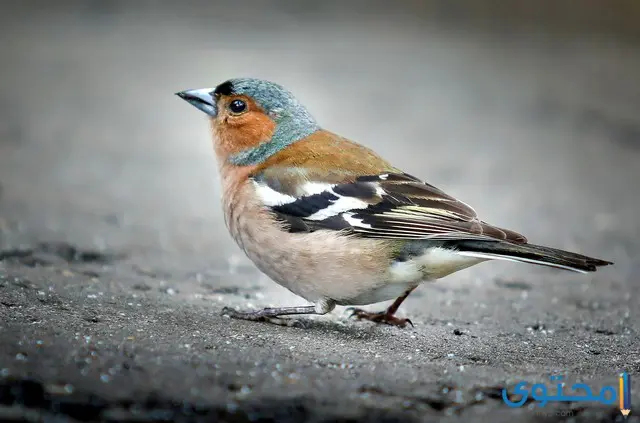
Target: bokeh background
529,111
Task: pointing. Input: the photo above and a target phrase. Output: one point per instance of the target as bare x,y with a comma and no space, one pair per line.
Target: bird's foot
261,316
380,317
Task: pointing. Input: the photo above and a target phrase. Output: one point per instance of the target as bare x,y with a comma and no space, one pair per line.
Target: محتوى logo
607,394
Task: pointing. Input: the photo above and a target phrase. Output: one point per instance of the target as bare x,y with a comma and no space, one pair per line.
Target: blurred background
527,110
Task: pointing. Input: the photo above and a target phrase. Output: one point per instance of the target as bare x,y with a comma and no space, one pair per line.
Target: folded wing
387,205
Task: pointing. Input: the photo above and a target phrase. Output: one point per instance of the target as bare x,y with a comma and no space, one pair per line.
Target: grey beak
202,99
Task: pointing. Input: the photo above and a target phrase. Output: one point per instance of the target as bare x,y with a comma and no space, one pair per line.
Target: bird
334,222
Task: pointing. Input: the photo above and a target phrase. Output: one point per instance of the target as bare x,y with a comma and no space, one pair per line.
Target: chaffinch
334,222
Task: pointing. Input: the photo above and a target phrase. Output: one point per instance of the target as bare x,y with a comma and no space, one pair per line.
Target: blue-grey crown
273,98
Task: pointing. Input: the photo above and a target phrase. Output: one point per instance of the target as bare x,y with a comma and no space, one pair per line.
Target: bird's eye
237,106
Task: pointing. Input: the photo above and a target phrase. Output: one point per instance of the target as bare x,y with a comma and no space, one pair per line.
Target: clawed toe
259,316
228,311
355,311
235,314
380,317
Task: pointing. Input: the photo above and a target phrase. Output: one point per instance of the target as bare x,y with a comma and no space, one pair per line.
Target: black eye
237,106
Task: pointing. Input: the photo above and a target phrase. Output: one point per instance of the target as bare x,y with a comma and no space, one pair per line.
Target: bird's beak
202,99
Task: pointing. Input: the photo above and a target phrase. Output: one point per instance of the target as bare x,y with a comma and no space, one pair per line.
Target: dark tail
529,253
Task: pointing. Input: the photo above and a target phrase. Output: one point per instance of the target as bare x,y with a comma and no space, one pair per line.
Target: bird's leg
386,316
272,314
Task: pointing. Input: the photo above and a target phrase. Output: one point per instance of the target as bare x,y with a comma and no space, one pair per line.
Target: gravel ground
115,263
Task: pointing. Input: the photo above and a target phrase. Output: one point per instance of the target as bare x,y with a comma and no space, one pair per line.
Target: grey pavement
115,262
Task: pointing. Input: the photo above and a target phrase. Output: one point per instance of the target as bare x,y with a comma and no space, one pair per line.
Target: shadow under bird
332,221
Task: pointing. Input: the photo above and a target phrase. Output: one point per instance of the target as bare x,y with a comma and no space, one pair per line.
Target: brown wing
387,205
412,209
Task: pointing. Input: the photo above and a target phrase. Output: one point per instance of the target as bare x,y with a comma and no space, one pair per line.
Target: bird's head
251,119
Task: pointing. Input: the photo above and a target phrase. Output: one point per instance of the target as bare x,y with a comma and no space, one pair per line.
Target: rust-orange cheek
234,134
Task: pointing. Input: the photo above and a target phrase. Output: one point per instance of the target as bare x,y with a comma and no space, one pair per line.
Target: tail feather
529,253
